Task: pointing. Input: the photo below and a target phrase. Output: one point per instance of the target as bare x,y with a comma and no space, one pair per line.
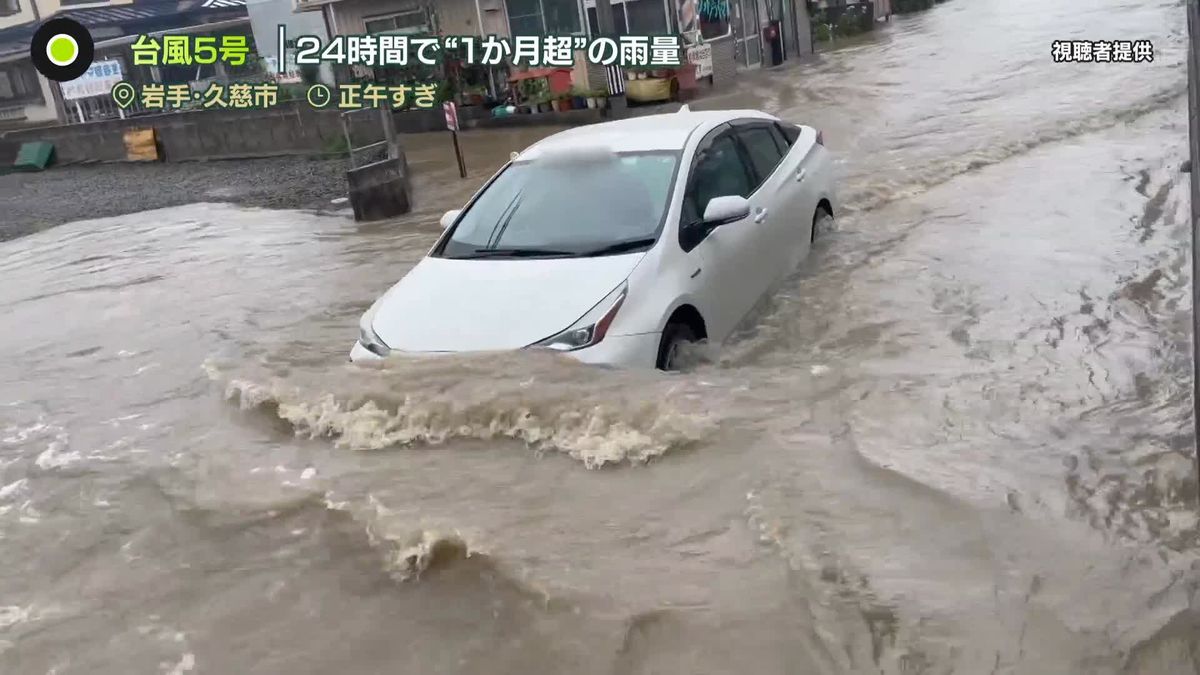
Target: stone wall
290,129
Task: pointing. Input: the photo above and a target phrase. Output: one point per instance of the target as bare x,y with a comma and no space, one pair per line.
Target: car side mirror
725,210
449,217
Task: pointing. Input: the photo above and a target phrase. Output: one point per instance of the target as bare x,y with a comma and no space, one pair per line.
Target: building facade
733,28
25,96
28,99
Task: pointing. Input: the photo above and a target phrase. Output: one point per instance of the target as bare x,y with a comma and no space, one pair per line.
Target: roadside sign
98,80
701,55
451,111
289,74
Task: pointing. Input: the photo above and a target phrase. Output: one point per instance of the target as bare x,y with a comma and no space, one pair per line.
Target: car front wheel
676,336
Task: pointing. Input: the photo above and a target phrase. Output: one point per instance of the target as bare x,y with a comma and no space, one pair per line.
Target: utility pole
1193,20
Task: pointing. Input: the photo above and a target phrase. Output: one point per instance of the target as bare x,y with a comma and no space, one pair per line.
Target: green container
34,156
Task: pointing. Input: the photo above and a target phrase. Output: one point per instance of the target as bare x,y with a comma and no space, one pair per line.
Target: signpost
451,112
1193,22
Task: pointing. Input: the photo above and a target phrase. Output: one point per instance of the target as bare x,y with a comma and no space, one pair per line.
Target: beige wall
45,111
23,16
47,8
457,17
495,17
29,113
349,15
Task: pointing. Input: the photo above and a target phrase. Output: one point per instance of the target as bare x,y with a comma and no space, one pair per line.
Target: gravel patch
30,202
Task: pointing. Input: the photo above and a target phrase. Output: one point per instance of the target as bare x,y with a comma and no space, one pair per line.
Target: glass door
746,32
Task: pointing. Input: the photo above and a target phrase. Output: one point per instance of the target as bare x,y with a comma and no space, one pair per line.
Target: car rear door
774,199
808,166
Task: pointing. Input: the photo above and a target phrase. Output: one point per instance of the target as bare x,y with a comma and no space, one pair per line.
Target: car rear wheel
676,335
822,223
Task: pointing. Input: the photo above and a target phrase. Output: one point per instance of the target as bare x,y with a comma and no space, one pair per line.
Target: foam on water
598,417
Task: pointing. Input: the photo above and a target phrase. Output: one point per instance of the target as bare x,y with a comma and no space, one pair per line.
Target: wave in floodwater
407,551
596,416
866,193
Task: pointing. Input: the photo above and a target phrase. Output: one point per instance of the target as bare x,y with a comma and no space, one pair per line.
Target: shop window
544,17
562,17
18,82
7,91
407,23
646,17
620,21
714,18
525,17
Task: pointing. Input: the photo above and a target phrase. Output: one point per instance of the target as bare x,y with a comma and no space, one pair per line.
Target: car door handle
801,175
760,215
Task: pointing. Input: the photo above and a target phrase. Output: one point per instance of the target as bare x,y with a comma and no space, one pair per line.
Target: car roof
669,131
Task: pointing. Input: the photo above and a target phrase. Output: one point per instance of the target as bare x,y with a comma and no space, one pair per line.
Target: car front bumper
621,351
360,354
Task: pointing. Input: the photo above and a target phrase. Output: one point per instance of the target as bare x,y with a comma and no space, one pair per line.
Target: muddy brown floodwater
957,442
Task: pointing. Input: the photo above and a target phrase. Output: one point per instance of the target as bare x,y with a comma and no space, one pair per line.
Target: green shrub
336,146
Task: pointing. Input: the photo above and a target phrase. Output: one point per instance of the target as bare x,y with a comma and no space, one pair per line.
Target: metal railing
96,108
388,147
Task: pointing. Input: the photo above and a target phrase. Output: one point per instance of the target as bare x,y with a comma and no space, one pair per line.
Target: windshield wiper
619,247
518,253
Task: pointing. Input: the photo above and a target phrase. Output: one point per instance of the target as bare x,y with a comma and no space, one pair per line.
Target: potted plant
579,98
534,92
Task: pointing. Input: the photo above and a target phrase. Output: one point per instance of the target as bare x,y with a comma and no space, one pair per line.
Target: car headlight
368,338
592,328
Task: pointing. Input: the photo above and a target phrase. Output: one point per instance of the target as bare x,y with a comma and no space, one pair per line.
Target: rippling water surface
957,442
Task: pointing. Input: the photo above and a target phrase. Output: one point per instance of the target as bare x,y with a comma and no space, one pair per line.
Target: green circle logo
62,50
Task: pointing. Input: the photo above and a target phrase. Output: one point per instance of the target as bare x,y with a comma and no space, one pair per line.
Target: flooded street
959,440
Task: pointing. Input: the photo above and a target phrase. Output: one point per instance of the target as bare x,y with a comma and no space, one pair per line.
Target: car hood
447,305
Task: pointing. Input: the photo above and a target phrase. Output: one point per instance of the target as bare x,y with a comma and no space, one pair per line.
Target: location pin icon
123,93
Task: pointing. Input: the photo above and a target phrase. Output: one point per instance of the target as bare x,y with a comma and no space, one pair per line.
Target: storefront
727,35
742,23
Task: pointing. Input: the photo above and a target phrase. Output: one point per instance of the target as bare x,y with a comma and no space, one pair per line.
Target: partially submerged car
616,243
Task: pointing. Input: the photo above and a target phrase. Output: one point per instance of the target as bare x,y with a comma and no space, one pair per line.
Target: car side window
719,172
763,150
784,144
790,132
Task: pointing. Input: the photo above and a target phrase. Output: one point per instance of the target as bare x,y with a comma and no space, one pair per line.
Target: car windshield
578,205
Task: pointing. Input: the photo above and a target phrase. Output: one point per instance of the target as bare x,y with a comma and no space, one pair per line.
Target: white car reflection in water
617,242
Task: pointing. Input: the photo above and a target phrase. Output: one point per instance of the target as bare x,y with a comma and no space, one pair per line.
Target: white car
615,243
